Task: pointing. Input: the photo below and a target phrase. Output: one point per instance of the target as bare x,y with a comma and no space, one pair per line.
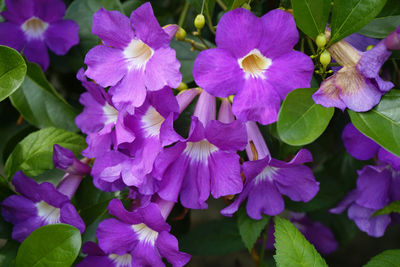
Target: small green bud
369,47
180,34
182,86
199,21
321,40
246,6
325,58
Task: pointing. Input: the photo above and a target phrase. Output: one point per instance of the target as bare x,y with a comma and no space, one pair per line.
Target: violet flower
34,25
315,232
254,60
267,179
205,162
357,85
134,58
392,41
142,234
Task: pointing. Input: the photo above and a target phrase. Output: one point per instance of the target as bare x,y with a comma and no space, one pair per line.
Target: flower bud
182,86
246,6
180,34
321,40
199,21
325,58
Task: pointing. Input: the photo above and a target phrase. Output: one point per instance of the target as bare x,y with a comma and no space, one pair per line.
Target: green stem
261,262
183,15
201,39
194,44
222,5
311,45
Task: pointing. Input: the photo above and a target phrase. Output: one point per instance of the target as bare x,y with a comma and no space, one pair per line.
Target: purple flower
205,162
142,234
357,85
254,60
100,120
38,205
34,25
363,148
315,232
268,179
134,58
392,41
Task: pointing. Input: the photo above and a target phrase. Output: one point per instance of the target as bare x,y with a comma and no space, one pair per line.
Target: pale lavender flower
34,25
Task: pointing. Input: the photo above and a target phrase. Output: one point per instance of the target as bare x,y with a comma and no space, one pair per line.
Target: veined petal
328,95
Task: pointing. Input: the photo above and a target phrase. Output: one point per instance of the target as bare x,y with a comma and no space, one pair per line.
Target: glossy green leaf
381,27
392,207
349,16
12,71
51,245
237,3
81,11
300,120
311,15
40,104
388,258
249,228
213,238
292,249
33,155
382,123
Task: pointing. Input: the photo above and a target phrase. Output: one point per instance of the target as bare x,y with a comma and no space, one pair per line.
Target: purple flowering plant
161,133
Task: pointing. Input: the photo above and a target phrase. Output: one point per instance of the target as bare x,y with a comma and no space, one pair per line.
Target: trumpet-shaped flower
134,58
254,60
34,25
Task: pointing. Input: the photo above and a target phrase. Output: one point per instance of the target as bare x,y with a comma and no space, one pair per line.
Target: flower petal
167,246
196,185
61,36
357,144
49,10
375,226
328,94
69,215
18,11
264,199
227,136
12,35
36,51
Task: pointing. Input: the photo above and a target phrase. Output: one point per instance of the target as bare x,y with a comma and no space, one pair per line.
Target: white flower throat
254,64
34,28
138,54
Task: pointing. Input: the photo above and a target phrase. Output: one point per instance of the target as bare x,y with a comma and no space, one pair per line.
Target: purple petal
163,65
130,92
51,195
357,144
372,60
171,30
36,51
113,28
225,174
205,109
106,65
98,143
232,208
345,203
69,215
168,135
196,185
49,10
360,42
257,101
167,246
387,157
61,36
328,94
18,11
290,71
12,35
225,114
264,198
218,72
239,31
16,209
92,119
227,136
373,185
116,237
62,157
146,254
279,35
254,135
92,248
375,226
197,130
26,186
98,261
23,229
147,28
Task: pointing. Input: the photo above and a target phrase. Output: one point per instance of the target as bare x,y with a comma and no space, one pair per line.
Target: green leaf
12,71
381,27
292,249
186,57
388,258
300,120
40,104
349,16
311,15
237,3
382,124
51,245
8,253
81,11
215,237
33,155
392,207
250,229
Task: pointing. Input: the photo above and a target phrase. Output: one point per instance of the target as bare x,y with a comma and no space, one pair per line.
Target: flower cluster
34,25
377,185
